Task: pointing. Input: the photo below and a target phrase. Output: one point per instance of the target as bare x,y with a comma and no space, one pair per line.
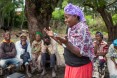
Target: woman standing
112,59
78,47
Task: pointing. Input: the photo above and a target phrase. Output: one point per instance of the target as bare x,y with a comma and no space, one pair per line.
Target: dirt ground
60,74
60,70
36,74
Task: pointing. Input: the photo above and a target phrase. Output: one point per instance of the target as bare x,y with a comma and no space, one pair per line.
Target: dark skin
38,38
23,40
70,21
70,46
47,41
7,37
97,46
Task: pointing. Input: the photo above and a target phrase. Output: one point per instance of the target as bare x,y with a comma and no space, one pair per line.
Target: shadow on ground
60,74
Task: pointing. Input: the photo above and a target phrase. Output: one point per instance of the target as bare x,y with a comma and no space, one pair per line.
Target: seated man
49,52
7,52
24,52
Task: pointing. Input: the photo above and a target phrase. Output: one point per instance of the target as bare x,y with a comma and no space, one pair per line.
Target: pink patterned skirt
84,71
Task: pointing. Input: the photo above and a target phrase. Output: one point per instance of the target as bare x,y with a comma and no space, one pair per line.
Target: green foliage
96,24
114,17
94,20
9,13
58,14
7,7
65,2
89,19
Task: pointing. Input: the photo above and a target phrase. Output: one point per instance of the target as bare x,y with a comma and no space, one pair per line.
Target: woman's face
70,20
98,37
38,38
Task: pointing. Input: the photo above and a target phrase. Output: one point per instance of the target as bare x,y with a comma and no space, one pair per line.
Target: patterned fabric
97,65
74,10
36,47
95,68
103,47
112,68
36,50
80,37
112,52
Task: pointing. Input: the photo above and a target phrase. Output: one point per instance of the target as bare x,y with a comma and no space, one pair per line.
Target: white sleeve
18,49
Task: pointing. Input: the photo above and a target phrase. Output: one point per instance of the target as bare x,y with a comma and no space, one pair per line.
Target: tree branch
111,3
90,5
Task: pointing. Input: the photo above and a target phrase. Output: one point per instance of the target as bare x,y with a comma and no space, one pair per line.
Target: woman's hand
63,40
49,32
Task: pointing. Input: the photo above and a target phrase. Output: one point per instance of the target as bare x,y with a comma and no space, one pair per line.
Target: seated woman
49,52
36,49
24,52
100,50
112,59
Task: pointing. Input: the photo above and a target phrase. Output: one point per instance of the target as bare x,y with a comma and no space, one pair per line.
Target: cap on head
23,35
39,33
115,42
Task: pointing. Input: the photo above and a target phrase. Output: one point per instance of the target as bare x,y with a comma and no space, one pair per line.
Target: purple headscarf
74,10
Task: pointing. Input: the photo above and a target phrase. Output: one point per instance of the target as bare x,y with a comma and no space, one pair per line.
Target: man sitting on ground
7,52
49,52
24,52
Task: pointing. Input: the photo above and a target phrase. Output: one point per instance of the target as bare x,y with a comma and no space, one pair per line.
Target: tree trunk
112,30
38,14
1,21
